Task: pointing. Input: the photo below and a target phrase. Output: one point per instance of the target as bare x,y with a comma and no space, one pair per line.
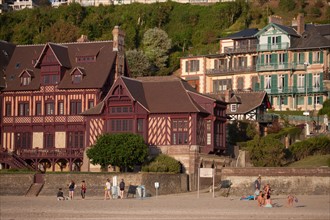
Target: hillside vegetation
193,29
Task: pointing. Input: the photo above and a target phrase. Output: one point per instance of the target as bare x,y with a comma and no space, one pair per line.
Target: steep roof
6,52
96,73
314,37
246,33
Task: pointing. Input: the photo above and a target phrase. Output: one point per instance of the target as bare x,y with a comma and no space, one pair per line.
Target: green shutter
262,60
321,81
321,56
321,99
302,58
274,58
295,58
285,102
279,39
286,82
310,80
274,88
278,100
295,80
262,83
286,57
269,40
310,100
311,57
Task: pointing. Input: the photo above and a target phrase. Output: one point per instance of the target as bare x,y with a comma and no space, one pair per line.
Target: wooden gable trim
78,69
27,71
43,52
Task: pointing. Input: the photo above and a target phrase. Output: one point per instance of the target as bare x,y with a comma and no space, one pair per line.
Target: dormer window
25,77
77,75
85,59
233,107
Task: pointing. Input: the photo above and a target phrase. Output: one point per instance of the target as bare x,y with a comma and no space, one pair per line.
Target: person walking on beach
107,190
122,188
83,189
257,186
72,186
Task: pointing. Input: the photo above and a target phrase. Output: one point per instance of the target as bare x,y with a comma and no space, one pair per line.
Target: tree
266,151
325,110
156,46
123,150
138,63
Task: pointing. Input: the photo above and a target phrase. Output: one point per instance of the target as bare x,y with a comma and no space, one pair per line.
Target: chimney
83,38
300,23
118,39
275,19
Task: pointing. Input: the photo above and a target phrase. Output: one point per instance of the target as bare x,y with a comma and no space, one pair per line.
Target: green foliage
266,151
313,161
325,110
138,63
287,5
163,163
313,146
240,132
123,150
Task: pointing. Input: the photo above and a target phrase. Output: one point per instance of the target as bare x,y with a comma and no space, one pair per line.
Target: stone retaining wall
309,181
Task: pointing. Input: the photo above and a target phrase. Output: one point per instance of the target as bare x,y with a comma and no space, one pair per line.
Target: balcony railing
266,118
272,47
241,49
230,70
279,66
51,153
292,90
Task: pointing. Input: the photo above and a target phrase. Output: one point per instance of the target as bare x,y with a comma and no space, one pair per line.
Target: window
300,58
220,64
25,80
38,108
281,81
90,104
121,109
75,139
50,108
268,59
242,62
240,83
179,131
268,82
60,108
317,57
50,79
275,40
23,140
208,132
49,140
192,66
301,81
281,58
317,100
76,78
86,59
75,107
316,80
233,107
140,125
221,85
23,109
8,109
50,75
121,125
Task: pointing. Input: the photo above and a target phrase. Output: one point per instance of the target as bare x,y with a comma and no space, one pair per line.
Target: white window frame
268,82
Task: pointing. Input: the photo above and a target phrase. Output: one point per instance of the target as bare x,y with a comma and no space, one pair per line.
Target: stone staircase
14,161
34,189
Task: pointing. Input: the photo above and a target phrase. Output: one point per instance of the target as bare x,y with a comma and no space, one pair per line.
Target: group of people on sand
83,188
263,195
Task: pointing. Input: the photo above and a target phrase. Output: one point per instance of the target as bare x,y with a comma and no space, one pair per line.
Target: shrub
162,163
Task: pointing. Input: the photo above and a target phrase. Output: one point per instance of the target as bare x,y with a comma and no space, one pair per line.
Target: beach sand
180,206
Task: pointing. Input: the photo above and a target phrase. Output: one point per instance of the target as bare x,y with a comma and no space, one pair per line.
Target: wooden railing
51,153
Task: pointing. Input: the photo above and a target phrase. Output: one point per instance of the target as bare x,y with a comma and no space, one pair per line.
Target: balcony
279,66
292,90
273,47
241,49
223,71
51,153
267,118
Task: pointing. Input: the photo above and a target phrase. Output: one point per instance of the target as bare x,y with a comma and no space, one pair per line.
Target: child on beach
261,199
291,200
60,195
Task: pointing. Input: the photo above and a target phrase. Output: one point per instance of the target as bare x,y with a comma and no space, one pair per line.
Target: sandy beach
181,206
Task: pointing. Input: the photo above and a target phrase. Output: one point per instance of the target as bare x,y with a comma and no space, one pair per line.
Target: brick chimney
300,23
275,19
83,38
118,39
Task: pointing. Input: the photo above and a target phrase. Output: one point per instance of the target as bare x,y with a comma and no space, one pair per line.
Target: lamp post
306,112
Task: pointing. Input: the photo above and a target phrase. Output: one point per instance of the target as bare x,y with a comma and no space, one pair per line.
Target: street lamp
306,112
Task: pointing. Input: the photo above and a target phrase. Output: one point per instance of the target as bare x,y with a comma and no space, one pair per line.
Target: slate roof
247,101
165,94
315,36
95,73
246,33
6,52
289,30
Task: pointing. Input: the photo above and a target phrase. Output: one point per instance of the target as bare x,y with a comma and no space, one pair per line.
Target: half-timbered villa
172,117
48,87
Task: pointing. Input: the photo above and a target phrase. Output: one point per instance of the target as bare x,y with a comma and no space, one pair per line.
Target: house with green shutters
290,63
